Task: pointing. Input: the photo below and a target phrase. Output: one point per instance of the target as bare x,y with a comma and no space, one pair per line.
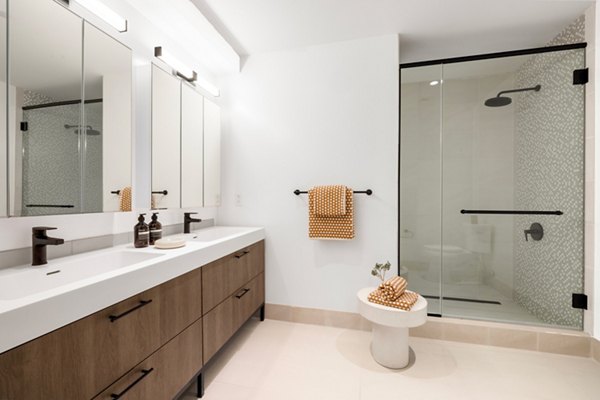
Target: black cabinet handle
241,255
117,192
113,318
163,192
243,292
145,373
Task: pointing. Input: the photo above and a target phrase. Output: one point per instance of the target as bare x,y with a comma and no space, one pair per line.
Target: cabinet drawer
218,328
80,359
247,300
164,373
225,276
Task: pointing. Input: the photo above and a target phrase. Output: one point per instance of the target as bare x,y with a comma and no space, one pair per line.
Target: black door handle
241,255
145,373
242,293
113,318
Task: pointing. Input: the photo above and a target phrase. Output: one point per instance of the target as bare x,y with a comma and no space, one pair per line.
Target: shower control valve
536,231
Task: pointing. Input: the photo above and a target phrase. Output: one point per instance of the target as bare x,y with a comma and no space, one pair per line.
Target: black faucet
39,241
187,220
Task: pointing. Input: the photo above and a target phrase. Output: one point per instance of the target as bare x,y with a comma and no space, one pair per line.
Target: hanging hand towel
330,201
125,199
335,227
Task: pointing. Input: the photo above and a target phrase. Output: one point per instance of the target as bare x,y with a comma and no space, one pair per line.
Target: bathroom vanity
152,344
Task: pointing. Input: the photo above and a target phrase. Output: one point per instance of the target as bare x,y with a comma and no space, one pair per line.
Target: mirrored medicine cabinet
68,135
185,144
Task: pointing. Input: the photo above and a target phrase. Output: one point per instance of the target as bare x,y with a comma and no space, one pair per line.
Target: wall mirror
186,133
3,133
69,113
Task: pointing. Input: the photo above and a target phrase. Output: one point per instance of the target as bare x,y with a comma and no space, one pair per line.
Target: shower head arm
535,88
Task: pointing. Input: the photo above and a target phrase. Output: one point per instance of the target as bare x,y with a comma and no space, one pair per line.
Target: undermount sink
24,281
216,233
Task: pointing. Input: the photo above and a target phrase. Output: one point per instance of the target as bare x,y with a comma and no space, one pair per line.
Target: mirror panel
107,120
166,139
3,134
192,148
45,54
212,154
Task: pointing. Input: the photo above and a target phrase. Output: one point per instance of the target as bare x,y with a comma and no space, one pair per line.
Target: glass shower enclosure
492,185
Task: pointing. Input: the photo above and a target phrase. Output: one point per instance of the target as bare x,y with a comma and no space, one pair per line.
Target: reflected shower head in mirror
88,130
500,101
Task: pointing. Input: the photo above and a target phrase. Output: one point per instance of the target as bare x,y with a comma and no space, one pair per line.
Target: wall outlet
238,200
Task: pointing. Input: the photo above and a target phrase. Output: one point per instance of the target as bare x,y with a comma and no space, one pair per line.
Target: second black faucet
187,220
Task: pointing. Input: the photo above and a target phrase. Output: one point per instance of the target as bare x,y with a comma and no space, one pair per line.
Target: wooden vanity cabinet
82,358
159,339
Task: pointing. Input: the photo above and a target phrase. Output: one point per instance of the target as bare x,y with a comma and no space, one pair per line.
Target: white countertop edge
24,320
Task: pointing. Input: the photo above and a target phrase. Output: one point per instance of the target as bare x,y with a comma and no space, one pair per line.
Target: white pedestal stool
389,344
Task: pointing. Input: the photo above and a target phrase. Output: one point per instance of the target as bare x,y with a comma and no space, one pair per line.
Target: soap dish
170,243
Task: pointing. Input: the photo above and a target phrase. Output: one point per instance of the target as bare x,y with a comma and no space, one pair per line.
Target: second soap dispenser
155,229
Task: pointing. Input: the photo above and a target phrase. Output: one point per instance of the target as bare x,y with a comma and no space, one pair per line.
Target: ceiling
428,28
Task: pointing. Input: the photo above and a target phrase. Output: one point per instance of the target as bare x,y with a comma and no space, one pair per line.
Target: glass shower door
513,140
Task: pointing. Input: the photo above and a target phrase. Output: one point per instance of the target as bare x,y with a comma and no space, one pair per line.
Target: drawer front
247,300
164,373
215,283
180,304
218,328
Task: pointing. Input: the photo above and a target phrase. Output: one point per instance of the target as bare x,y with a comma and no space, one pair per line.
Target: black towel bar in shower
511,212
368,192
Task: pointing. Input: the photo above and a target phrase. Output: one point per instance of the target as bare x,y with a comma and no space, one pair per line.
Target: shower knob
536,231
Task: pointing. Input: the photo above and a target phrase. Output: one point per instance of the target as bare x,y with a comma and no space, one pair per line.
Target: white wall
320,115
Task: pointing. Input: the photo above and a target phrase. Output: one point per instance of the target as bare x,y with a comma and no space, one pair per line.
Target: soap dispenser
141,233
155,229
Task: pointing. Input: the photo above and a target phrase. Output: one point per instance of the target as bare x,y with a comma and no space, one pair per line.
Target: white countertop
28,317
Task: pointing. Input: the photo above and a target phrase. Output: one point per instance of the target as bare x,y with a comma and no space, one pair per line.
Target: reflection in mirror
107,121
3,152
45,54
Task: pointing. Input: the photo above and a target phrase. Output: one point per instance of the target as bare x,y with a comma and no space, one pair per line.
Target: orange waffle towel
329,201
393,288
404,302
337,227
125,199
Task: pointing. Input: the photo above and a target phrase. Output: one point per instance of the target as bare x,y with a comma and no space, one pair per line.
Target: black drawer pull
145,373
241,255
242,293
113,318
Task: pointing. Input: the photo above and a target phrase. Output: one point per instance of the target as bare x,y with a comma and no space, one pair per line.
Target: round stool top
391,316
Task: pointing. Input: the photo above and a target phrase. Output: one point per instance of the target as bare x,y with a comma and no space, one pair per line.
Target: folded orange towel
329,201
337,228
393,288
404,302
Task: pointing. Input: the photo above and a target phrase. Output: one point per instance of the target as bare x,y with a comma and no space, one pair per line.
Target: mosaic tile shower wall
51,159
549,175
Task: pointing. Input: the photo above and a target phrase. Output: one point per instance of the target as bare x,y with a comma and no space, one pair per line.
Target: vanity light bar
180,68
185,72
108,15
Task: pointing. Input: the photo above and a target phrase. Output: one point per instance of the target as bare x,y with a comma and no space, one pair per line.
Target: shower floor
507,311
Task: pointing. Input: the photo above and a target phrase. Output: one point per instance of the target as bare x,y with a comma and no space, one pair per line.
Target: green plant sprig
379,270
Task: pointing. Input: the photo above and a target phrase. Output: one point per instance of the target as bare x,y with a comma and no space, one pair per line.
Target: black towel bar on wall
368,192
511,212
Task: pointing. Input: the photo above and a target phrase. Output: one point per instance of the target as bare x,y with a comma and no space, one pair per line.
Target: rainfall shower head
88,130
500,101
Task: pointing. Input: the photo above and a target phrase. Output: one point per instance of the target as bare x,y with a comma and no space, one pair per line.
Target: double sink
70,288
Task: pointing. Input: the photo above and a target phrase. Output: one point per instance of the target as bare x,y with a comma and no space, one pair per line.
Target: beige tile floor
287,361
